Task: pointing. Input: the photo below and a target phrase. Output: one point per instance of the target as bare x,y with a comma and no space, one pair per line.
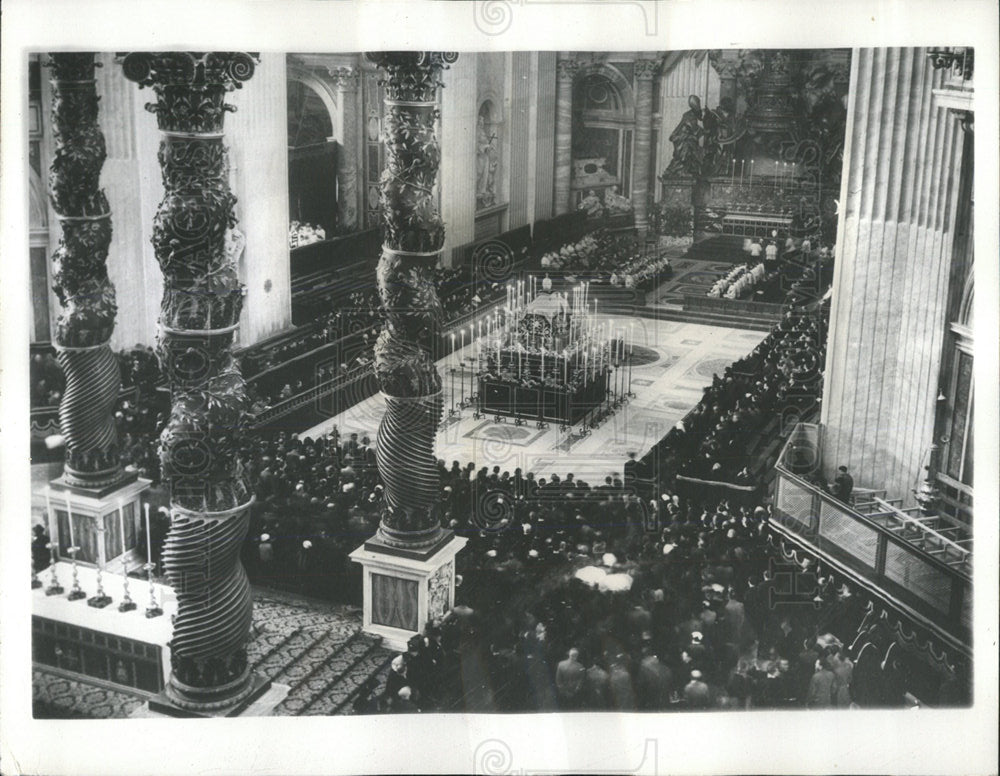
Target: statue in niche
687,137
487,160
615,202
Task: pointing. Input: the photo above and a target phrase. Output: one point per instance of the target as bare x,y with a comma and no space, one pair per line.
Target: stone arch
325,92
614,76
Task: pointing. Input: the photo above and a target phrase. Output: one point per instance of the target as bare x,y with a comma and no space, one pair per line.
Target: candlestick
75,593
54,587
127,603
100,599
152,608
751,173
742,165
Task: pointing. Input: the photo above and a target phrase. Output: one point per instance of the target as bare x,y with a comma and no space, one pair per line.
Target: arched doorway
603,126
312,158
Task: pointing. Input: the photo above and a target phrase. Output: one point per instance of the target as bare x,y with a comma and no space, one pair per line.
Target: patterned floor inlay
678,361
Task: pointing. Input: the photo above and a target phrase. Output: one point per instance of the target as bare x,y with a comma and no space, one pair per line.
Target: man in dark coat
845,483
570,675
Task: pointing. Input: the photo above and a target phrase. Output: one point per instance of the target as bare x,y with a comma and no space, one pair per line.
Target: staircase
323,658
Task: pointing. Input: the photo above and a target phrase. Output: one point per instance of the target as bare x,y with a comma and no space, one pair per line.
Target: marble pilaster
541,149
520,135
566,70
258,153
346,82
458,158
645,74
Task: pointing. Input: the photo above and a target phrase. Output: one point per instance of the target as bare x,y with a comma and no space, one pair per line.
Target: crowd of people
611,257
738,282
703,621
784,371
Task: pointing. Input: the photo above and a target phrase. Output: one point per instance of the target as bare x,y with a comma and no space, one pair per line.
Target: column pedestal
97,527
403,589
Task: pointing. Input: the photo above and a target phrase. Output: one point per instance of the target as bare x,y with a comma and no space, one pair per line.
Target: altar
544,358
542,403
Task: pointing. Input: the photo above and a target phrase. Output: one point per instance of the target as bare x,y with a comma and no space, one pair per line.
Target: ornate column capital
412,76
189,85
345,79
646,69
566,69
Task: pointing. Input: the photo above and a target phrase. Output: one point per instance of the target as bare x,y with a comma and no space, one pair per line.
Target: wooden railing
904,560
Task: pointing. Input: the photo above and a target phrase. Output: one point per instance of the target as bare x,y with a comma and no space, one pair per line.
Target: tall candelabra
86,294
202,299
414,236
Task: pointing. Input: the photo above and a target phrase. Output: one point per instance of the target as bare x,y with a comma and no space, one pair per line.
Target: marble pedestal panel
403,589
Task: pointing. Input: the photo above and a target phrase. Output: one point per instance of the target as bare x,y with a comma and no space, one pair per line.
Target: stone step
375,665
338,694
265,645
323,673
287,655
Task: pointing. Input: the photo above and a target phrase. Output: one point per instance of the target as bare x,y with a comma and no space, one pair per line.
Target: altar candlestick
732,175
565,369
75,594
751,173
519,364
742,166
127,603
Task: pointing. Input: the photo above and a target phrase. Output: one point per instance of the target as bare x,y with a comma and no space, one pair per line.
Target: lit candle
50,517
121,525
149,541
69,519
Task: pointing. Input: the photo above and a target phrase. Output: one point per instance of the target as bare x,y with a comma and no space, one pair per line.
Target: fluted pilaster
199,447
566,70
888,315
645,75
86,294
404,352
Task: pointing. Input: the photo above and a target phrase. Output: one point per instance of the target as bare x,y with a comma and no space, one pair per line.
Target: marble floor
674,362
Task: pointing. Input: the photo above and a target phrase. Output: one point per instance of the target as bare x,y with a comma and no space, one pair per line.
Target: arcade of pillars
210,494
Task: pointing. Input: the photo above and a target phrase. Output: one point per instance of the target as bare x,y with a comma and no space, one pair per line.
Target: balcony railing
914,563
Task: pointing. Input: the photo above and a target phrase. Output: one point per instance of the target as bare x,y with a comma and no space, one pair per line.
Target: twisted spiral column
414,237
86,294
199,446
